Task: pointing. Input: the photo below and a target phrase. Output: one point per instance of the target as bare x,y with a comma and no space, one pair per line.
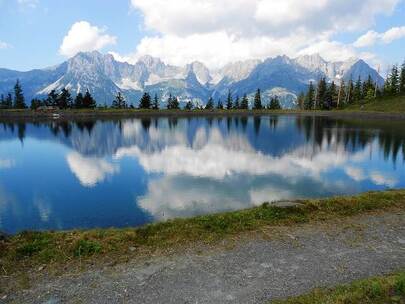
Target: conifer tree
64,99
349,92
402,79
119,101
155,103
330,96
244,103
321,94
175,103
35,103
9,101
229,101
220,106
210,104
88,101
78,103
394,80
357,90
52,98
19,101
169,102
341,92
301,101
370,94
236,104
258,101
188,106
274,104
310,98
145,102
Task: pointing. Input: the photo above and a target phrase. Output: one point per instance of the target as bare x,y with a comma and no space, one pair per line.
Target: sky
42,33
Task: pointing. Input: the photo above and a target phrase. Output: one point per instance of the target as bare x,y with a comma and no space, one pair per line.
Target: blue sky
32,32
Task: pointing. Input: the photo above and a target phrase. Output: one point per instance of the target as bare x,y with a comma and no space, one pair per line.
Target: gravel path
289,261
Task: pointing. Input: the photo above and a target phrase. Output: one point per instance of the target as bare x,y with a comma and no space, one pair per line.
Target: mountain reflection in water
103,173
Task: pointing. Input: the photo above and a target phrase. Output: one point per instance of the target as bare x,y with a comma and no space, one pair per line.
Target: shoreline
27,250
263,253
135,113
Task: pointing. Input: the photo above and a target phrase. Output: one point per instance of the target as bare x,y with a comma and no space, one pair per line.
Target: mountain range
104,77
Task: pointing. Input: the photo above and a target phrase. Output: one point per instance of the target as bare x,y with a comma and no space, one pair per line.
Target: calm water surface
64,175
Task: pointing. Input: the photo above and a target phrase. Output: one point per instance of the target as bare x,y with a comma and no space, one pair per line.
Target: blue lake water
57,175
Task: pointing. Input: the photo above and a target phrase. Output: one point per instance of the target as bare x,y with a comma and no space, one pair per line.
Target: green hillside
386,104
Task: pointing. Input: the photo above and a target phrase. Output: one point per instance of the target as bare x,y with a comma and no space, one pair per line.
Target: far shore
27,114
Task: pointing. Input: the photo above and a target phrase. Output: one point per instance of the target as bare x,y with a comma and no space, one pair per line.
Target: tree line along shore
319,96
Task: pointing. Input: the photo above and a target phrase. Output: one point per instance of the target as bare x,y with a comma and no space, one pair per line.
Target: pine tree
236,104
9,101
155,104
169,102
368,86
274,104
210,104
88,101
330,99
310,97
244,103
349,92
257,101
19,102
357,90
301,101
175,103
64,100
188,106
370,94
35,103
321,94
402,79
52,98
394,80
229,101
145,102
119,101
341,92
220,106
78,103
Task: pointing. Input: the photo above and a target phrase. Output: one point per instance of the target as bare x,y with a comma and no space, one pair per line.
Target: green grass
387,104
383,289
27,250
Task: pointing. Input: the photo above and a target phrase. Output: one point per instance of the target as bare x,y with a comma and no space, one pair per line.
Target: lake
59,175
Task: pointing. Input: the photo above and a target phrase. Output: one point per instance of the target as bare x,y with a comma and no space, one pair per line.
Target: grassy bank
382,289
387,105
29,250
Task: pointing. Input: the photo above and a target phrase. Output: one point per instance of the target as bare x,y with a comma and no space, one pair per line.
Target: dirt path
285,262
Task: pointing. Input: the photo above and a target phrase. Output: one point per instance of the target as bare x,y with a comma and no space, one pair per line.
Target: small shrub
399,286
32,243
86,248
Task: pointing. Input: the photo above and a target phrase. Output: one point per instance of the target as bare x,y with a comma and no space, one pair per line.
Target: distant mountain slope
104,76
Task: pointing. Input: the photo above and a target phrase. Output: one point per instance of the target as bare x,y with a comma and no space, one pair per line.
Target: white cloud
219,31
90,170
393,34
372,37
356,174
213,156
4,45
84,37
379,178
